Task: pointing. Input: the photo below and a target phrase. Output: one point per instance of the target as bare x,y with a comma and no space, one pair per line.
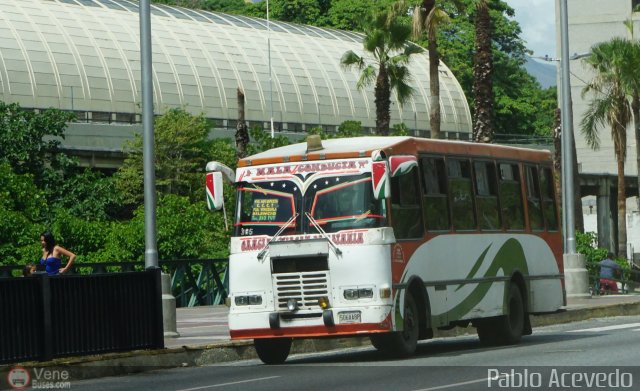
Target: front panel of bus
310,253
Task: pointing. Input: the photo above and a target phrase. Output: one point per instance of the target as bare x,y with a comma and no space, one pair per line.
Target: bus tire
272,350
511,326
401,343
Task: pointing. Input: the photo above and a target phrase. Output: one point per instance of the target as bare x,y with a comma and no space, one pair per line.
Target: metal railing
43,317
194,282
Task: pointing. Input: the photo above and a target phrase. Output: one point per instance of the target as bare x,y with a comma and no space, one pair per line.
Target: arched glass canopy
83,55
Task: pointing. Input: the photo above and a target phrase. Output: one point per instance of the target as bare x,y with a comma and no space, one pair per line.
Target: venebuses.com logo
19,378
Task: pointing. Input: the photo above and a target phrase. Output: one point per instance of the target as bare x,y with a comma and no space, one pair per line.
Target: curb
114,364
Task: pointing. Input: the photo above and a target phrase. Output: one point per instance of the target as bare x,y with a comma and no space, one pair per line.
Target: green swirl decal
509,258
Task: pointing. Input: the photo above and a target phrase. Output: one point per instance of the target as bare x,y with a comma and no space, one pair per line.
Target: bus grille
306,288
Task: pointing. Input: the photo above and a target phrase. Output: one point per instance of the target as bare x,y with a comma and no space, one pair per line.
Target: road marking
607,328
442,387
229,384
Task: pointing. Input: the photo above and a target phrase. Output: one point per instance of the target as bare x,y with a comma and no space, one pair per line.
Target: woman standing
52,255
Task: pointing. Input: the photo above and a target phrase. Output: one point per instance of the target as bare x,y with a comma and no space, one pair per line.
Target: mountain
544,72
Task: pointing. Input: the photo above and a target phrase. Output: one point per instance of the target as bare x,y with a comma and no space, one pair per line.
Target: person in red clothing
608,270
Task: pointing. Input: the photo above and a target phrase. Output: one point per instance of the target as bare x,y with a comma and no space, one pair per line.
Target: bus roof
354,147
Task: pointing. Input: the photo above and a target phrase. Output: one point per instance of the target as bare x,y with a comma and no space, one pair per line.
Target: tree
242,134
30,142
386,40
427,18
520,105
610,106
482,75
181,152
22,206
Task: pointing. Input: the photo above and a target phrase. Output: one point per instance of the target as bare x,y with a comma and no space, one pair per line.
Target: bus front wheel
273,350
401,343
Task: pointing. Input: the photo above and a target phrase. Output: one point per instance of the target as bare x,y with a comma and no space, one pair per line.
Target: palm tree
387,41
427,17
482,75
610,106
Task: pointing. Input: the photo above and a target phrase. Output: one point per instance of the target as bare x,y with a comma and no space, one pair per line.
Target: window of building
436,202
405,206
635,5
486,183
534,203
511,197
463,213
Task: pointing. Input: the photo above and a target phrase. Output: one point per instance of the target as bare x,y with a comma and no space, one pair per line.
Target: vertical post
148,153
576,275
567,134
270,81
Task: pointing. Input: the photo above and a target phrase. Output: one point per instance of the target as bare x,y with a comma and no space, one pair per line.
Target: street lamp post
575,273
270,73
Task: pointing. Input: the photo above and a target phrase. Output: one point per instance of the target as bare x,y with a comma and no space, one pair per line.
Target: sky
537,20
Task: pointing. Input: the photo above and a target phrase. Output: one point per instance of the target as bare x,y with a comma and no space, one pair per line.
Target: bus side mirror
380,180
214,191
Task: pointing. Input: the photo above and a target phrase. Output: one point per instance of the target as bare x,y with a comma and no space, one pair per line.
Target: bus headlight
248,300
358,293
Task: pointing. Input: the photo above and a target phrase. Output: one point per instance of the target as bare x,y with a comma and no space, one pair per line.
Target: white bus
390,237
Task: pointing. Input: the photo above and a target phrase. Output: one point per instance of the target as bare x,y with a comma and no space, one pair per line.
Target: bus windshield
344,202
336,203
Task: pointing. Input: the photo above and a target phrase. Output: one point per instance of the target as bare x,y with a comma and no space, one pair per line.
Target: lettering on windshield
265,209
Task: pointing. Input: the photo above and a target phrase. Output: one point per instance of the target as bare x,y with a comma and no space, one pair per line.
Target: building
591,22
83,56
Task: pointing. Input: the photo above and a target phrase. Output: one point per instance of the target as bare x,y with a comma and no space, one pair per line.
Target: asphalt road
582,355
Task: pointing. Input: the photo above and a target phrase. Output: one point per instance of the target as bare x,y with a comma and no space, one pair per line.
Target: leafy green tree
181,146
30,142
186,229
22,206
400,130
386,40
350,129
262,140
610,106
352,14
520,106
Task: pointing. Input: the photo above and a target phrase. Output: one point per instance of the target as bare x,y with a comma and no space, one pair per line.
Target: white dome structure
83,56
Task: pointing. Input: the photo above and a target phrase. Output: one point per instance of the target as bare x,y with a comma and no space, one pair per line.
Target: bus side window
534,204
487,196
548,199
463,212
511,197
436,202
406,211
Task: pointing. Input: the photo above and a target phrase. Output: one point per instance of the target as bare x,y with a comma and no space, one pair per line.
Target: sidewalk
204,340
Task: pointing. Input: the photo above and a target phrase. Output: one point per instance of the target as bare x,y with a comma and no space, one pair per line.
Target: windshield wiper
324,234
262,253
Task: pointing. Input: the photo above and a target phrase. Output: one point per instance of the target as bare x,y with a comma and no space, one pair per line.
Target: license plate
349,317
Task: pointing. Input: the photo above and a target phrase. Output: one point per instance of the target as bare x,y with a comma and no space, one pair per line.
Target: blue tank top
52,265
